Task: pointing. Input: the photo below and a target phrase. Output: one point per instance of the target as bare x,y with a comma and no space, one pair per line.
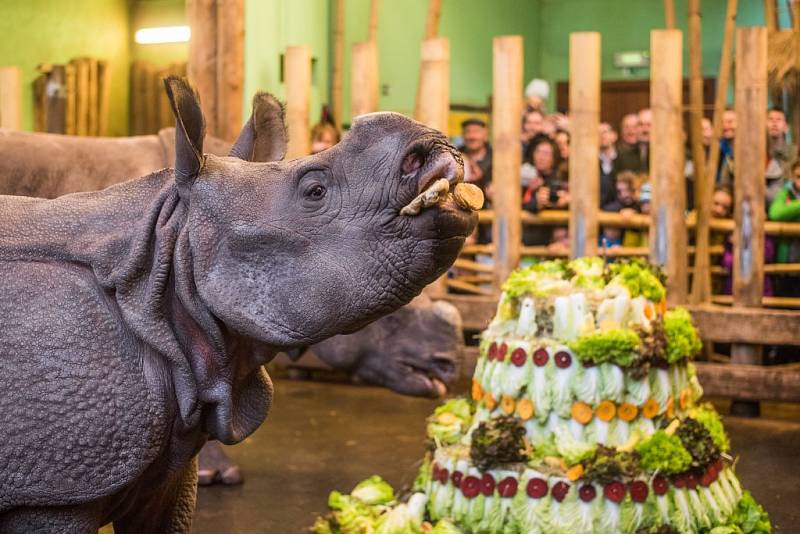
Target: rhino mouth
434,378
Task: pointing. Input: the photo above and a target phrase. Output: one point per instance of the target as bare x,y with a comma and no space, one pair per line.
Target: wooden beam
750,154
721,96
668,231
750,382
476,311
434,77
374,17
364,78
746,325
701,281
10,98
506,157
202,64
337,70
71,88
103,96
229,90
298,96
771,15
432,20
94,103
584,173
669,14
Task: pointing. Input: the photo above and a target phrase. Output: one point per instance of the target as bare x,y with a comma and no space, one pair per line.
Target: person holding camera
544,186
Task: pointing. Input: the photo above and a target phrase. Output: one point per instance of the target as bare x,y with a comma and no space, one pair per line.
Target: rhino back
79,419
51,165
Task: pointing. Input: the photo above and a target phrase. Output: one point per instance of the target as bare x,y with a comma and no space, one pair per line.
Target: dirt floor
324,436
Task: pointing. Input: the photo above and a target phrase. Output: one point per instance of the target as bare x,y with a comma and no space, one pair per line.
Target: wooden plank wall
10,98
149,106
72,98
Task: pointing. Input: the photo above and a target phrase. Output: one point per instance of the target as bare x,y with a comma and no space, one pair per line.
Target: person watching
645,124
629,157
544,187
785,207
608,162
477,153
323,136
780,153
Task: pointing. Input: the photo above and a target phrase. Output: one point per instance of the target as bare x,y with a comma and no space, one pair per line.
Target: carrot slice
662,306
686,398
606,410
575,472
649,311
627,411
650,408
477,390
507,404
525,409
581,412
490,401
669,411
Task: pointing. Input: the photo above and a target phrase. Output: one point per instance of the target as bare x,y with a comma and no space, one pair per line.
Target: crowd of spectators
624,160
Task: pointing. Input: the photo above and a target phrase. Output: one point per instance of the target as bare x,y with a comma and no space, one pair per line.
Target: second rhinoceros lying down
136,320
414,351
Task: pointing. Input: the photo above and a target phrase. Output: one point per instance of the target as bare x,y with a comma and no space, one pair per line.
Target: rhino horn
263,137
190,129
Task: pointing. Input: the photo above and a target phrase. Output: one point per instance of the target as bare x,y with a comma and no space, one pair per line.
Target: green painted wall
47,31
154,14
625,25
469,24
271,26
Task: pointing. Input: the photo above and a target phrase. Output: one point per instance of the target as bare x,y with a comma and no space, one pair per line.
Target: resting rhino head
416,350
292,252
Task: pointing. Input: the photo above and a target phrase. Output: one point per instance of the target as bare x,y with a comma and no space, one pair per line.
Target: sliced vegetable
650,408
587,493
477,391
507,404
627,411
581,412
606,410
525,409
507,487
519,357
560,490
540,357
638,490
614,491
536,488
575,472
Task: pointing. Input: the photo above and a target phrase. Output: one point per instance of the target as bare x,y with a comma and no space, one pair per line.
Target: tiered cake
584,418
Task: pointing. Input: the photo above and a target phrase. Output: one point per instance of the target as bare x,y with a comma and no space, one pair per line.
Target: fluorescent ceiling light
165,34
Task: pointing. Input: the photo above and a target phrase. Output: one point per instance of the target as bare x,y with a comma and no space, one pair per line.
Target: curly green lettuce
664,453
681,335
538,280
639,278
620,346
706,415
697,440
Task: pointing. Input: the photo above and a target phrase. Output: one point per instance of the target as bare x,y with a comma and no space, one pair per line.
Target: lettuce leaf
572,450
681,335
399,520
706,415
664,453
450,421
373,490
620,346
639,278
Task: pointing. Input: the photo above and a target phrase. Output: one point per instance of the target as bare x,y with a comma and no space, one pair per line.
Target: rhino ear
263,137
190,129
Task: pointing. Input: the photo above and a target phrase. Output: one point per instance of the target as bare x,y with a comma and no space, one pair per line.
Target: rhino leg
83,519
167,509
216,466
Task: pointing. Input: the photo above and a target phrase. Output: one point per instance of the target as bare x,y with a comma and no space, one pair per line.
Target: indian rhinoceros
136,320
414,351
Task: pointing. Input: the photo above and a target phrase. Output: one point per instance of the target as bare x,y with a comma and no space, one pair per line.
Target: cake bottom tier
527,501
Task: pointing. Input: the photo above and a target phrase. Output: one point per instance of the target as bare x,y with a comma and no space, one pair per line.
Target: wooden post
584,171
71,82
771,15
431,31
103,96
338,63
434,76
364,78
374,16
81,97
701,280
93,98
57,99
506,159
298,95
669,14
202,67
750,152
10,98
230,68
668,229
722,91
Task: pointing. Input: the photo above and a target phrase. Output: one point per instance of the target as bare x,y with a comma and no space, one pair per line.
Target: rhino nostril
413,162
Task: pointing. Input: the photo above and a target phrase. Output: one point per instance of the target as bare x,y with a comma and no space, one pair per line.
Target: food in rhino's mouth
468,197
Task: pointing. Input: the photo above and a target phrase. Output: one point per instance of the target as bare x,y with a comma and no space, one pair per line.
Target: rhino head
292,252
416,350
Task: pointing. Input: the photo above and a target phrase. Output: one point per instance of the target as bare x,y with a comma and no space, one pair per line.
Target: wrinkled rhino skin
136,320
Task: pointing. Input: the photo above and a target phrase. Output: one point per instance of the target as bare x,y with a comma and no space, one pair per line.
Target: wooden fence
745,319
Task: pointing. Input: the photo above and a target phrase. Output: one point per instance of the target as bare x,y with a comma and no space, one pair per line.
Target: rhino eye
316,192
